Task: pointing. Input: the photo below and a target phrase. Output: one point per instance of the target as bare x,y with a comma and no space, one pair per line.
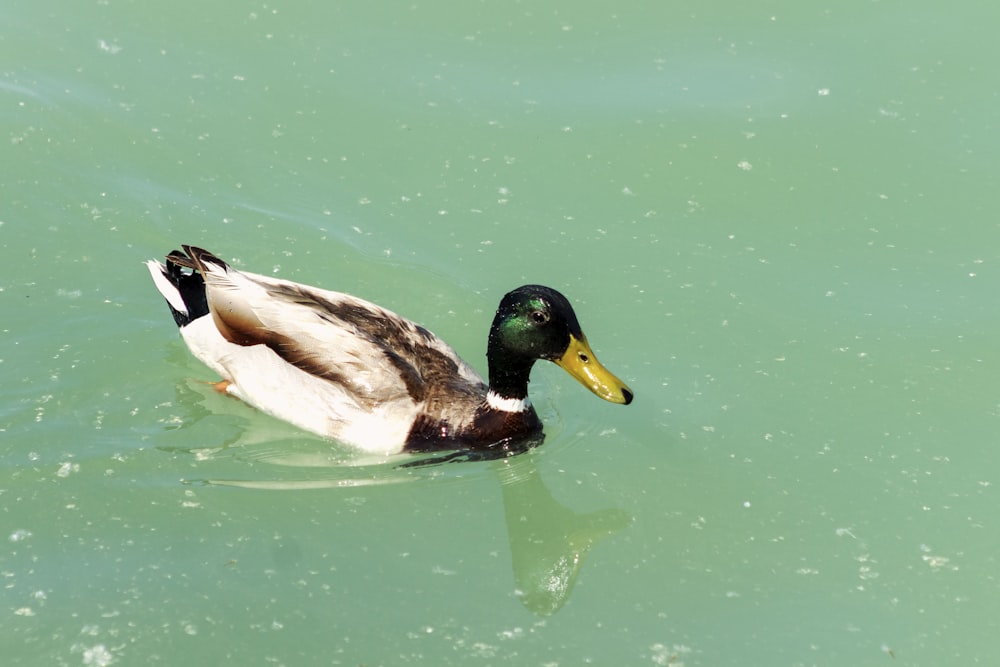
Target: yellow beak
580,362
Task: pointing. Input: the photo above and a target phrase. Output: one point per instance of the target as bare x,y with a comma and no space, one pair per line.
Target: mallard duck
349,370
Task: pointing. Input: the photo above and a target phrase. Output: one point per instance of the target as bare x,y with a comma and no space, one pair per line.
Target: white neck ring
498,402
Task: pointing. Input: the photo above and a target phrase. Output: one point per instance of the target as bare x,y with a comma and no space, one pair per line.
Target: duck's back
335,364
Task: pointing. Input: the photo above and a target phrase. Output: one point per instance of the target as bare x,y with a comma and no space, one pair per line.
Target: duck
356,373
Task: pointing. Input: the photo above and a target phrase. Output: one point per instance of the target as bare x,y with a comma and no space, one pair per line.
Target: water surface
776,223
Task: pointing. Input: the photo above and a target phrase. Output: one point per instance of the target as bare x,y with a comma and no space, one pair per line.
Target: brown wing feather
421,367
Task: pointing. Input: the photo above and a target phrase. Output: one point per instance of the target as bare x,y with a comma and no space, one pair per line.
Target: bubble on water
67,468
97,655
108,47
661,654
19,535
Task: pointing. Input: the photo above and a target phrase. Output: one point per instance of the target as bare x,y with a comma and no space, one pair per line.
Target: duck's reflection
548,541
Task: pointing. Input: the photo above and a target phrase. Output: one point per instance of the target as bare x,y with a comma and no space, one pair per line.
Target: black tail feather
189,284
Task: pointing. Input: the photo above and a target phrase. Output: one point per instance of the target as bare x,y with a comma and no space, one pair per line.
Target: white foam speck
108,47
67,468
97,655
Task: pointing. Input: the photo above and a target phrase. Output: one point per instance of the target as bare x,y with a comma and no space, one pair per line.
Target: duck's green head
536,322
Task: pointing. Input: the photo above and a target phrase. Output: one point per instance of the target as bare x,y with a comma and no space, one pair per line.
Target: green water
775,221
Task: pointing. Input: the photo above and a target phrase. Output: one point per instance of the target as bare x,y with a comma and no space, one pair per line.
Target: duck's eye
539,316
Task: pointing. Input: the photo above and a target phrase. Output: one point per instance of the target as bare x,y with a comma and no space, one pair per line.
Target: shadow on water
548,540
